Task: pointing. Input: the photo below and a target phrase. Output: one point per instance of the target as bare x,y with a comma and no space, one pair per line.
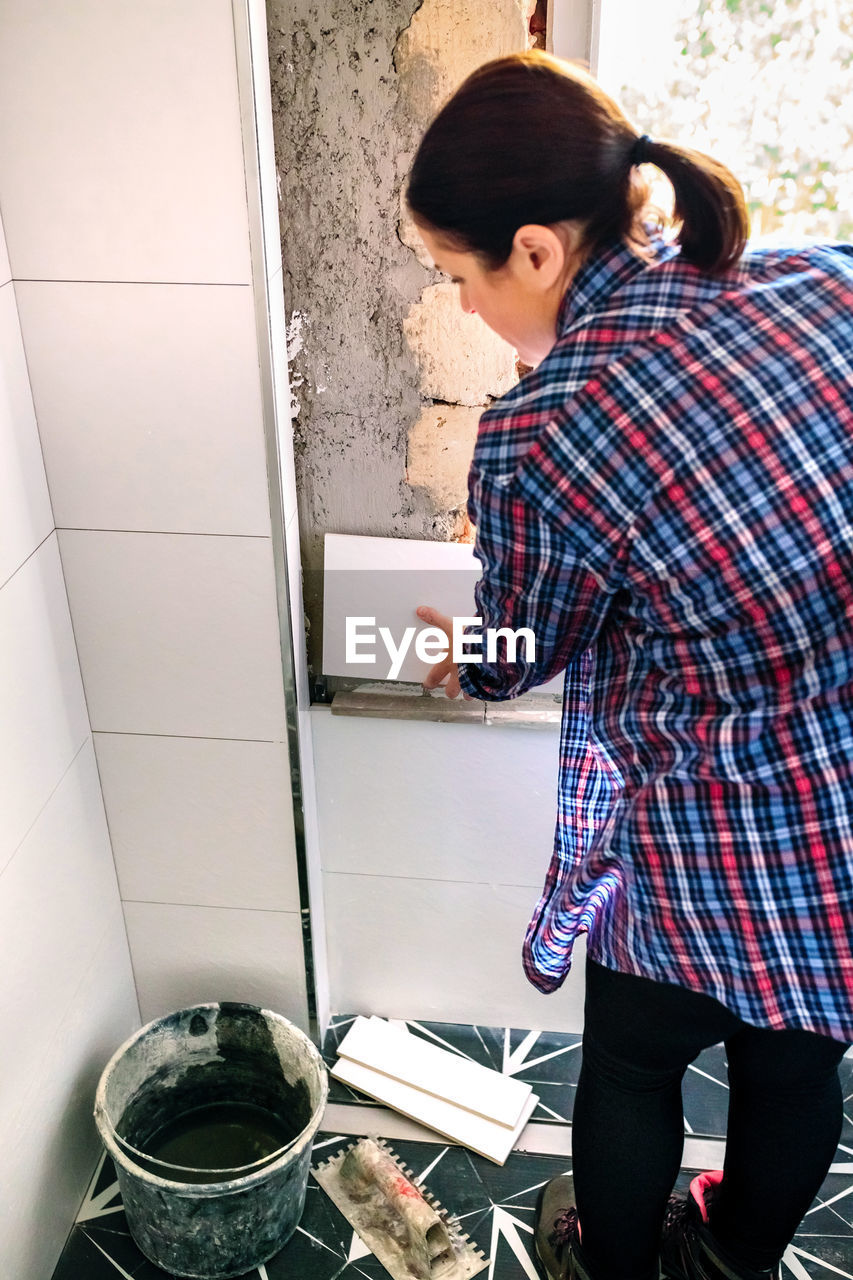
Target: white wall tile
5,267
200,821
50,1143
126,118
387,579
149,405
177,635
184,956
42,709
436,951
260,75
445,801
297,612
58,896
25,512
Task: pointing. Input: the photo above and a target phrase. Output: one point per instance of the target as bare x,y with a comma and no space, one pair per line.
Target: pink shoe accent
700,1184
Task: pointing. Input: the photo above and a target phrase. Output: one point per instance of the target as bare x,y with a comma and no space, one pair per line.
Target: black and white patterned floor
495,1204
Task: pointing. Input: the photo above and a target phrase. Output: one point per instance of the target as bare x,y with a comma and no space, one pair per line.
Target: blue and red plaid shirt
667,502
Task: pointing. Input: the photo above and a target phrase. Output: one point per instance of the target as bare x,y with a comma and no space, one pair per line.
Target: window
765,86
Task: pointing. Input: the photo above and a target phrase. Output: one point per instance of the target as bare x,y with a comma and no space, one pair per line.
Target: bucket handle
242,1170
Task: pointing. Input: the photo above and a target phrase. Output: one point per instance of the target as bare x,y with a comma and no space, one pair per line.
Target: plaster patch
446,41
460,360
441,444
294,334
442,45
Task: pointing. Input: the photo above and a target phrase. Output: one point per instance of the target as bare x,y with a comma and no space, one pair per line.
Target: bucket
209,1115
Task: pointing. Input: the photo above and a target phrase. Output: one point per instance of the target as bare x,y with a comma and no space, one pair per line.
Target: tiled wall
436,839
66,987
124,190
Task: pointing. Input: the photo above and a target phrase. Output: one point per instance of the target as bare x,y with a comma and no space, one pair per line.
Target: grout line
38,816
387,875
190,284
47,477
186,737
214,906
162,533
34,551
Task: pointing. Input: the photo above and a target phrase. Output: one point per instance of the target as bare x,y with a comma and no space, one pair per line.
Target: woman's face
510,299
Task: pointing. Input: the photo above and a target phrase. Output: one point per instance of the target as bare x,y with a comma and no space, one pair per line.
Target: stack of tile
468,1103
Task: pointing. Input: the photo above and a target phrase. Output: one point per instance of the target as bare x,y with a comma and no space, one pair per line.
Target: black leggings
784,1123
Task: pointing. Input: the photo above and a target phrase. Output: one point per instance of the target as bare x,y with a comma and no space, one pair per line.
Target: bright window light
765,86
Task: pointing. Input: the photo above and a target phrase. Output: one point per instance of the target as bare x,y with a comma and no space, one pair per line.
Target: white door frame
573,27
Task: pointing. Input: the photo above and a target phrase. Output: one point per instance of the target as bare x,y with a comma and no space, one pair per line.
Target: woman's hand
445,670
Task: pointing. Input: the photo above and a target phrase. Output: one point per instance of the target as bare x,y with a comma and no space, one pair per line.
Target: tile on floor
550,1061
495,1205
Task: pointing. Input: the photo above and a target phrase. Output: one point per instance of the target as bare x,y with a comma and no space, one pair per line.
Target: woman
666,500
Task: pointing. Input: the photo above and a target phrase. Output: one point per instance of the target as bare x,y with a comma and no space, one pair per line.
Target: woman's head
529,139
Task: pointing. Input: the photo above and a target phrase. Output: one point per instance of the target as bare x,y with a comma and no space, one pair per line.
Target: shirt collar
608,268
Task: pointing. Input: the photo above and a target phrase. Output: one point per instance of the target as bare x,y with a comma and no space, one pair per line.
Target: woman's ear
542,253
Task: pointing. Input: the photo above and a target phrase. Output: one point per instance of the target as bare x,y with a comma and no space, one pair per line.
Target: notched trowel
407,1230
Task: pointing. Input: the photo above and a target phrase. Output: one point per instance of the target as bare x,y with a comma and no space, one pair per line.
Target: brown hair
532,139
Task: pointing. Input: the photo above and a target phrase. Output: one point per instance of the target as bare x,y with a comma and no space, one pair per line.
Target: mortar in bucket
209,1115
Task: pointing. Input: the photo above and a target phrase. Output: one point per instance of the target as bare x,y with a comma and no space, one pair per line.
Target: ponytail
532,139
709,205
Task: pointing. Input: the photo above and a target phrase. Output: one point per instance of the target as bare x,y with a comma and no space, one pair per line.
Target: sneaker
556,1231
688,1248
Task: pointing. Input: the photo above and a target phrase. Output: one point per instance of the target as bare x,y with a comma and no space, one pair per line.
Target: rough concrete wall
389,377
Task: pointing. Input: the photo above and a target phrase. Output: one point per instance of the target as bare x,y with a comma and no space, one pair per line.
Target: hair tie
640,149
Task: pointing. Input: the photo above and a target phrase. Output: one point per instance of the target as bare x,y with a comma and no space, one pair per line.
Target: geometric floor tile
494,1203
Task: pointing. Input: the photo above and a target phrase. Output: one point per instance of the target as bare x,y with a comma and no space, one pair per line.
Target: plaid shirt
667,502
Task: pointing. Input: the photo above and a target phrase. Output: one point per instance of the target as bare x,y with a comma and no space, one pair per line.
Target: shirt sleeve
534,577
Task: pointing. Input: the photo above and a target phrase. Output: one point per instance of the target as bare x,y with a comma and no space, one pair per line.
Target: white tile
50,1143
125,117
57,896
449,801
281,391
5,267
434,951
42,708
200,821
260,73
149,405
487,1137
177,635
293,556
385,580
25,512
388,1048
184,956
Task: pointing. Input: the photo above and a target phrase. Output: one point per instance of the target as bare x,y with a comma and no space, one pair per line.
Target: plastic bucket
167,1089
